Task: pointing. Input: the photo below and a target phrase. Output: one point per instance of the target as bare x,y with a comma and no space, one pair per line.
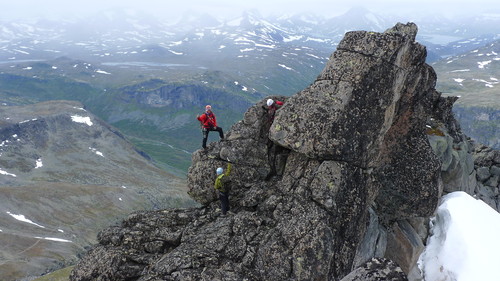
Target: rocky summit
341,184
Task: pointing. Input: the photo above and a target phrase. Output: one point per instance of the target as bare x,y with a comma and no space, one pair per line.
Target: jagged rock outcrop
487,171
345,173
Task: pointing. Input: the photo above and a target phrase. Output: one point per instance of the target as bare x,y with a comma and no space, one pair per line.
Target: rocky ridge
348,171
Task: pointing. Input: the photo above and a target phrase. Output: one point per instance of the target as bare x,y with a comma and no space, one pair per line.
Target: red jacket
280,103
271,110
208,120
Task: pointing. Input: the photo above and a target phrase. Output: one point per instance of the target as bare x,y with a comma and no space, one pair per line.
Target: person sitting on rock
209,123
222,186
272,106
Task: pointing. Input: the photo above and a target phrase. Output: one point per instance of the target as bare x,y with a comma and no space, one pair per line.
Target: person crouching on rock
272,106
222,186
209,123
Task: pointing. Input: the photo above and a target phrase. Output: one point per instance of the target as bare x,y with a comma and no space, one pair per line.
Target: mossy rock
434,132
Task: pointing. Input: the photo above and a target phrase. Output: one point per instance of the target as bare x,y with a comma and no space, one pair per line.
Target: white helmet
219,171
270,102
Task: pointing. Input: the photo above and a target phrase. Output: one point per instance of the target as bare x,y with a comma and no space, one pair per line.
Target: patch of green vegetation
164,156
59,275
18,90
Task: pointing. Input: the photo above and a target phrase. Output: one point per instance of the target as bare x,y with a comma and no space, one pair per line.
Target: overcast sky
11,9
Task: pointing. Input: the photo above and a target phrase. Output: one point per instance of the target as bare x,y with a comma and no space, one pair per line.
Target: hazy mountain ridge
474,76
64,175
257,56
256,50
128,30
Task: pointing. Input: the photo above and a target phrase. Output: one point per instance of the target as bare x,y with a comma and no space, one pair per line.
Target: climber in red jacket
209,123
272,106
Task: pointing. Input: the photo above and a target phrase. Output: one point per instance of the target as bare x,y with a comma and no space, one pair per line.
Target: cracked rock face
301,186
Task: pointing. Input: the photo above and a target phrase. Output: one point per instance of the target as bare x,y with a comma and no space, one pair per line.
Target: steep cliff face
345,173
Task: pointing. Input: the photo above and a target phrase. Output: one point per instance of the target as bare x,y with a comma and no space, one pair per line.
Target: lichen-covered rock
353,102
302,187
485,156
369,108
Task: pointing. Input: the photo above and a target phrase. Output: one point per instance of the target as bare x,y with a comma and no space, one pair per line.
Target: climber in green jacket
222,185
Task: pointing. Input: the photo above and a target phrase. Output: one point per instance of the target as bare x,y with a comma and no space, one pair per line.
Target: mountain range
64,173
474,76
248,56
149,79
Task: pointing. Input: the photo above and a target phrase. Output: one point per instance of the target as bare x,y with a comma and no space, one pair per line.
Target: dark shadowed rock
374,243
404,245
302,187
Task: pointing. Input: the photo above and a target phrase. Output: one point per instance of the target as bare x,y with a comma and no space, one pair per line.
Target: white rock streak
482,64
96,151
24,219
54,239
7,174
285,67
102,72
81,119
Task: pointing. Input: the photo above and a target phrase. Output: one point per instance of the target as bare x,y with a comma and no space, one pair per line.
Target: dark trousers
205,134
224,201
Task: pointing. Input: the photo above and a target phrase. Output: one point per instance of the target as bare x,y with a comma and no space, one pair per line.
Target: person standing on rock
209,123
272,106
222,186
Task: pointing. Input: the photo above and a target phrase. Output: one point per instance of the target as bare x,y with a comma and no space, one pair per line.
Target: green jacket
222,181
